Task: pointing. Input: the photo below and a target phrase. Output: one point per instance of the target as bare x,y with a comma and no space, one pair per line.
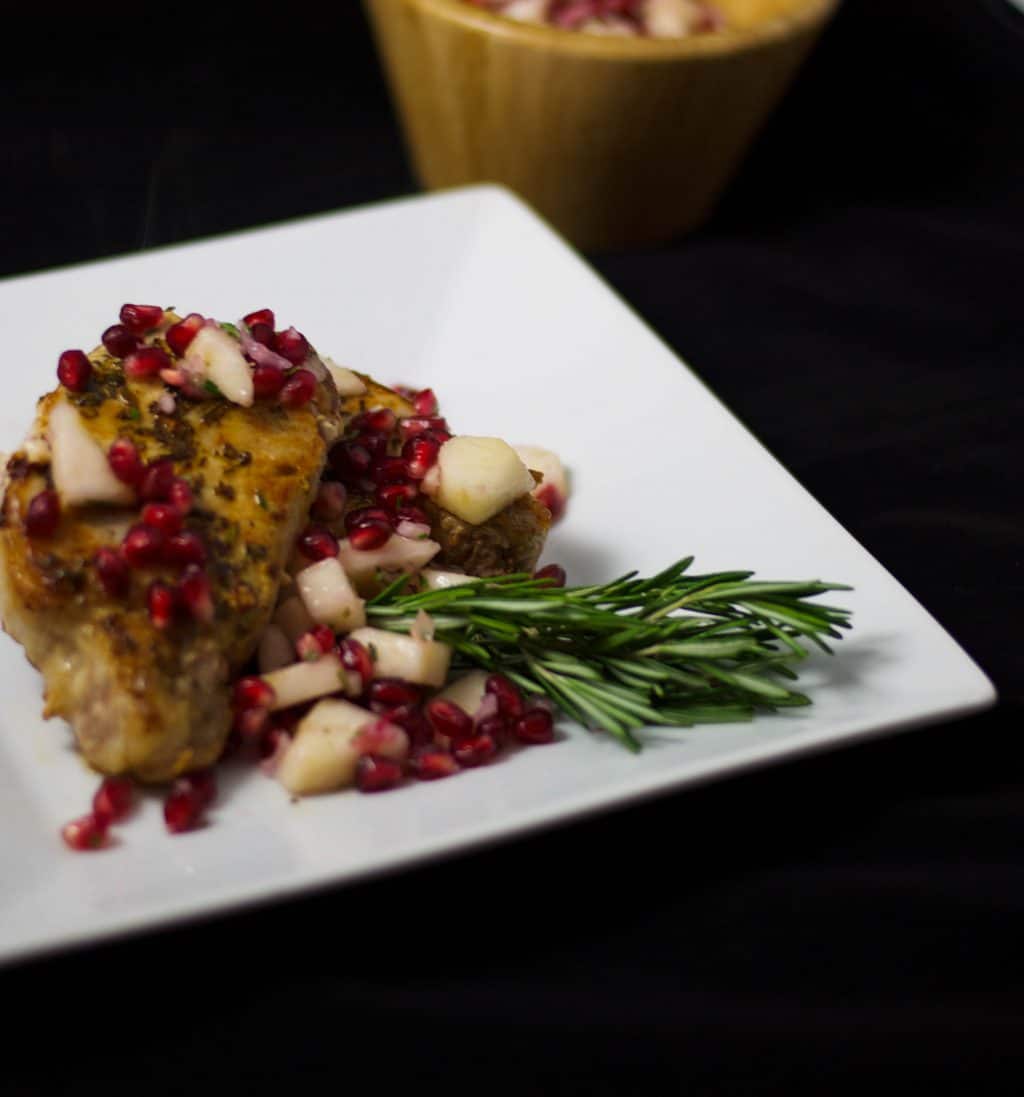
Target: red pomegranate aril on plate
392,693
253,692
291,344
43,515
432,763
536,726
362,515
146,362
330,501
74,370
377,774
119,341
142,546
553,573
317,543
203,785
369,536
409,513
181,334
273,741
88,832
157,479
350,460
411,720
260,316
448,719
141,318
113,799
196,594
477,750
390,470
180,496
162,604
263,334
125,462
184,548
299,389
251,724
355,657
553,499
419,455
416,425
267,381
510,700
183,808
425,403
324,636
162,516
112,571
495,725
378,421
393,496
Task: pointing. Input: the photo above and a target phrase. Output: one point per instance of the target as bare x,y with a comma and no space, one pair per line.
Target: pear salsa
622,18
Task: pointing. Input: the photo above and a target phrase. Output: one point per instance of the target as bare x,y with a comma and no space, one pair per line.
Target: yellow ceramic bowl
614,140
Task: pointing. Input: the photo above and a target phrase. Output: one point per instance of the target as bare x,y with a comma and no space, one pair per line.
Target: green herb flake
231,330
211,388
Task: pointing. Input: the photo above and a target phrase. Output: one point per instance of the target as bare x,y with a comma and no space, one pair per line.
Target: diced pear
396,554
479,477
328,596
306,681
435,579
548,463
292,617
223,363
345,381
424,662
81,471
467,692
328,743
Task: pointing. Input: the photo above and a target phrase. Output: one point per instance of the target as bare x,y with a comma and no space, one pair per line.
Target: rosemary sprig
673,649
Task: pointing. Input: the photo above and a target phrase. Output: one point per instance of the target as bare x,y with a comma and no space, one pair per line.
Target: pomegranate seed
419,455
449,720
330,501
74,370
411,720
142,545
494,726
185,548
317,543
378,421
267,381
409,513
415,425
183,808
377,444
356,658
162,516
432,763
274,740
263,334
350,460
119,341
389,470
112,572
260,316
113,800
182,333
162,604
425,403
141,318
180,496
325,638
43,515
510,700
203,785
89,832
196,593
291,344
146,362
554,573
397,495
299,389
254,692
392,693
369,536
156,482
362,515
536,725
476,750
125,462
251,724
307,648
553,499
377,774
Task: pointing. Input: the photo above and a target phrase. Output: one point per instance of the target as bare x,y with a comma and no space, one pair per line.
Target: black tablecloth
840,922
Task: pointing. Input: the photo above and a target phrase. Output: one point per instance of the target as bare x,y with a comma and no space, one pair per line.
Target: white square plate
470,293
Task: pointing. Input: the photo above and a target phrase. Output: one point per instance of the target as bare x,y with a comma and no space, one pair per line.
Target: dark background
845,922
